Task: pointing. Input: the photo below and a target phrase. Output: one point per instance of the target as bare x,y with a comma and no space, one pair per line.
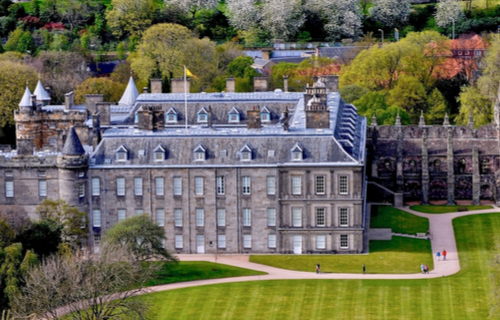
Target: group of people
439,254
424,268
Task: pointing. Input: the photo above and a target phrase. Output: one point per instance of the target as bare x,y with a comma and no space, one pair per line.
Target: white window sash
220,185
178,241
122,214
271,217
200,219
296,185
246,183
97,218
221,217
138,186
247,217
221,241
178,217
198,185
160,217
177,186
271,241
42,188
120,186
271,185
159,186
96,188
9,189
297,217
247,241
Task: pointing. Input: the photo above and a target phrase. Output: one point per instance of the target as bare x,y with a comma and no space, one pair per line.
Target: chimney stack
230,85
178,85
69,100
285,83
253,118
266,54
33,101
156,85
209,115
260,84
145,90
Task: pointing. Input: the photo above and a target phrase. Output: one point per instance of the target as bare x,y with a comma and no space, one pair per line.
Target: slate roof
341,144
73,146
41,93
26,99
130,94
337,52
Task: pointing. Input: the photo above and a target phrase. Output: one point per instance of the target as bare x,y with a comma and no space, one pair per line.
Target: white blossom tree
242,14
193,6
448,10
391,13
282,18
343,18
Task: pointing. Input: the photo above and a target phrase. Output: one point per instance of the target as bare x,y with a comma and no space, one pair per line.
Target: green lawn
446,209
399,221
401,255
198,270
462,296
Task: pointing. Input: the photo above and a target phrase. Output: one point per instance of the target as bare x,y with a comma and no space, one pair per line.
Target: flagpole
185,99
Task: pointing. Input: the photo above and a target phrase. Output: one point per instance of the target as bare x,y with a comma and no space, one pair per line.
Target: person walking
422,268
364,269
444,255
318,268
438,255
426,269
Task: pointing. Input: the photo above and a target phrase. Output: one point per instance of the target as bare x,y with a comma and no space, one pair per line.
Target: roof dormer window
171,115
246,153
136,118
297,152
200,153
234,115
122,153
265,115
202,115
159,153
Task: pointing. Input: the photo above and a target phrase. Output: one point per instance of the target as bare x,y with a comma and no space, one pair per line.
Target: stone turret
42,96
421,122
398,120
446,121
374,120
130,95
317,113
26,105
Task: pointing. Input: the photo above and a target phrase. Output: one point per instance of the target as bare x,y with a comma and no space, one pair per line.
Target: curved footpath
442,238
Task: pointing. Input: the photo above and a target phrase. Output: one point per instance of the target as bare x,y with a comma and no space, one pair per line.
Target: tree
193,6
73,221
436,107
13,78
15,216
374,103
111,90
7,234
473,101
89,286
43,237
165,48
282,18
391,13
343,17
62,71
410,95
130,17
74,12
142,236
448,10
352,92
242,14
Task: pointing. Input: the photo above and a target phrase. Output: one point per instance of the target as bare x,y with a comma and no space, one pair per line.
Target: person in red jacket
444,255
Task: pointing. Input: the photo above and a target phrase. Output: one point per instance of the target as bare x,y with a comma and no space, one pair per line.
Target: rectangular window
247,241
271,241
221,240
320,184
9,189
296,185
344,241
271,217
320,217
178,217
198,186
221,217
247,217
246,185
200,219
138,212
320,242
138,186
271,185
159,186
343,217
42,188
343,185
96,187
81,190
178,241
177,186
220,185
160,217
122,214
97,218
297,217
120,186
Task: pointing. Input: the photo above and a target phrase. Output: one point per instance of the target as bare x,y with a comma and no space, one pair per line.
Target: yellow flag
189,74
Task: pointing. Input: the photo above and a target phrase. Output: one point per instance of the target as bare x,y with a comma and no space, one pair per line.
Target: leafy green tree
472,100
409,94
130,17
436,107
43,237
142,236
74,222
7,25
7,234
120,50
374,103
239,66
352,92
111,90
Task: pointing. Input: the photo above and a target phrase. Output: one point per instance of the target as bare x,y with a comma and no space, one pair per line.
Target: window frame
297,217
247,241
120,187
320,186
178,220
81,190
271,185
323,241
343,185
9,189
221,217
178,241
221,186
96,187
177,189
200,217
221,241
343,211
271,241
96,223
119,214
199,186
342,238
296,185
246,185
160,186
271,217
138,187
320,214
160,212
42,188
247,217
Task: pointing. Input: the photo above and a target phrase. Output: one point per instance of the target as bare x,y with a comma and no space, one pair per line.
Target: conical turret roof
26,100
130,94
40,92
73,146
